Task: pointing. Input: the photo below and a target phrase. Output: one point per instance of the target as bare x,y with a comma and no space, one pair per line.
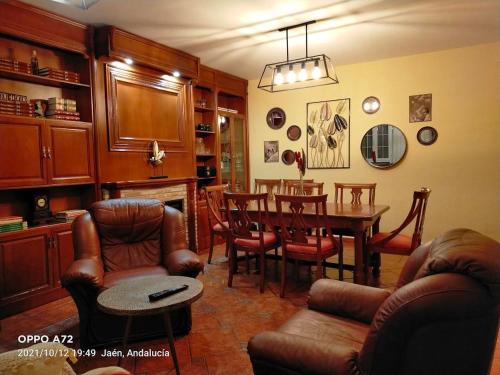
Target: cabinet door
21,157
64,252
26,266
239,155
69,152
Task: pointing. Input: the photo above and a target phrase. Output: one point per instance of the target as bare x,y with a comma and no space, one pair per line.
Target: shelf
32,229
203,109
30,78
4,117
205,155
204,133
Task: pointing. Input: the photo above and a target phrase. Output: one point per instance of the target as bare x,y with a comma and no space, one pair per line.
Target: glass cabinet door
233,152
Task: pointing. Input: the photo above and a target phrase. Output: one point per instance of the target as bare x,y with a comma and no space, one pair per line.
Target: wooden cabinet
31,264
70,152
21,158
42,152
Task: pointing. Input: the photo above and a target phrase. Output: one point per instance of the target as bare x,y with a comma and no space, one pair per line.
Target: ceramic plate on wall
276,118
293,133
288,157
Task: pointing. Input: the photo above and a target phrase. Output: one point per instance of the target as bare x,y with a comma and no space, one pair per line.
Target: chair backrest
309,188
357,191
287,185
417,213
240,222
215,202
299,215
444,318
269,186
130,232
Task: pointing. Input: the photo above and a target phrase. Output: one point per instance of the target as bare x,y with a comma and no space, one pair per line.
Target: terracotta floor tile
209,342
229,363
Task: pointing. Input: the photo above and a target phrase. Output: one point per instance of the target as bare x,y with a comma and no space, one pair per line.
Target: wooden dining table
357,218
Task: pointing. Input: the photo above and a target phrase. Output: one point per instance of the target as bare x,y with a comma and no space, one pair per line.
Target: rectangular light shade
325,76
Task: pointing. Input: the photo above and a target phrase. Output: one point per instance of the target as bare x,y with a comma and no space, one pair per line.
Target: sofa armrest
301,355
353,301
88,271
183,263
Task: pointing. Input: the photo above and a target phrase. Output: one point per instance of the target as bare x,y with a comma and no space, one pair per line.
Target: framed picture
421,108
328,134
271,152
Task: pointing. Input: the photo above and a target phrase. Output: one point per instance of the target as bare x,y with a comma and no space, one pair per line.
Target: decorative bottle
34,63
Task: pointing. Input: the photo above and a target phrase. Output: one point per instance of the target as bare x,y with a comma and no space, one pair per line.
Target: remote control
165,293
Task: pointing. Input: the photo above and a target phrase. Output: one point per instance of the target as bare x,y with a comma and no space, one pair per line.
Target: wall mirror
383,146
288,157
276,118
427,135
371,105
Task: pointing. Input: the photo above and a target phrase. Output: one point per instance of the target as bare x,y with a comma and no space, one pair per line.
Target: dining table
356,218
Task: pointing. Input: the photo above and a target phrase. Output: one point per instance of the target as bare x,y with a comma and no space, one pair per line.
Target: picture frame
328,134
271,152
420,108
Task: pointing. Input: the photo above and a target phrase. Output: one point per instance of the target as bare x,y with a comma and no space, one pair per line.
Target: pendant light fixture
293,74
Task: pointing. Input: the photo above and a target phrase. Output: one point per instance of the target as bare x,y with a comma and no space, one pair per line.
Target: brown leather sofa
441,320
125,239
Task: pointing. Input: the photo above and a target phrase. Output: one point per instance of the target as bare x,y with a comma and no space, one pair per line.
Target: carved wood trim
120,143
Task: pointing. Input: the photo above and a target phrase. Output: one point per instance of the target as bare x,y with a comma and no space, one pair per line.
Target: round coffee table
130,298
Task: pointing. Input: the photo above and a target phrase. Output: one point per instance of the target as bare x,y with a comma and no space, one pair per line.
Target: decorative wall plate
288,157
276,118
427,135
293,133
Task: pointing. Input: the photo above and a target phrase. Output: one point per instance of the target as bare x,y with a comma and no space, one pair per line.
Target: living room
144,141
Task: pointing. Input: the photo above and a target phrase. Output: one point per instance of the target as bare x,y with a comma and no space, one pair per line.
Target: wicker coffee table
130,299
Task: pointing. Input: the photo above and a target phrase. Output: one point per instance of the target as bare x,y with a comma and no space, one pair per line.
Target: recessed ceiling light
165,76
176,73
128,61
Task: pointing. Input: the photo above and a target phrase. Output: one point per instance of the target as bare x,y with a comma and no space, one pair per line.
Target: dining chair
287,189
360,192
299,216
269,186
395,242
217,223
309,188
247,235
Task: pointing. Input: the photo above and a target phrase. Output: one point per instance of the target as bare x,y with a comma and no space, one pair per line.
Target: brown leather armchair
124,239
442,318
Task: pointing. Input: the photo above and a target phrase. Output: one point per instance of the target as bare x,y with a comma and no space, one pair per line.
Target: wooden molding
117,43
118,141
31,23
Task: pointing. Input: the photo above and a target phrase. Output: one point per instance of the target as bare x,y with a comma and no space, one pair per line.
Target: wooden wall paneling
120,44
133,165
69,152
28,22
22,155
231,84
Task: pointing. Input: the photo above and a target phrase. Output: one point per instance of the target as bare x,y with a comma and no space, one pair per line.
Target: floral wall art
328,134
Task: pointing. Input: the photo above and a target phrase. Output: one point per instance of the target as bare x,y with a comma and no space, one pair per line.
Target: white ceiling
240,37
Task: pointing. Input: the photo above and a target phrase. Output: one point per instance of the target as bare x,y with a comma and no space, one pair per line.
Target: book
51,112
61,101
10,227
64,117
10,219
69,215
13,97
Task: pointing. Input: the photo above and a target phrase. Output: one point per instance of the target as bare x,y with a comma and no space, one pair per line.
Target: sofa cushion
116,277
129,231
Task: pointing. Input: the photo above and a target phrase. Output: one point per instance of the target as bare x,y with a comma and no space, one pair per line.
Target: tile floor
223,320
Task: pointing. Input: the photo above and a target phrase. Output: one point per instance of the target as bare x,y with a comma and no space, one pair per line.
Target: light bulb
316,73
176,73
278,78
303,72
291,77
128,61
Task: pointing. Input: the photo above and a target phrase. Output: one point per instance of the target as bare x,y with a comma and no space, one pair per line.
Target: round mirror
371,105
427,135
293,133
276,118
288,157
383,146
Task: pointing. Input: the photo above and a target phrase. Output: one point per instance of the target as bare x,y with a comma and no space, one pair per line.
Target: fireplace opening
176,203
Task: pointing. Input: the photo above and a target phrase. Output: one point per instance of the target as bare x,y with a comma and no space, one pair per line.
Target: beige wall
462,167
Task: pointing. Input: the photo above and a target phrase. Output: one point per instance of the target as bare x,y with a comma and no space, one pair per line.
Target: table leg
128,324
359,274
171,343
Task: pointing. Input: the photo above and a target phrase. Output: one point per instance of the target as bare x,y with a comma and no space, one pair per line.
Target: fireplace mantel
163,189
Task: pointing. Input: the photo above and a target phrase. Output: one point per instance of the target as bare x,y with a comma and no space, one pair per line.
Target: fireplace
178,204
